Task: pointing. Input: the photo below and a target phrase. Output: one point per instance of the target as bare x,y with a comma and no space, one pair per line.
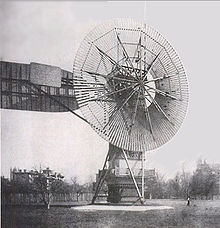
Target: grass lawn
200,214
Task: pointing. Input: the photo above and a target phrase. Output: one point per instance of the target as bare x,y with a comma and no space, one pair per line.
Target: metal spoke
147,113
158,107
104,63
163,93
107,77
107,56
155,79
116,110
103,96
160,78
117,91
112,61
126,54
136,50
150,66
135,112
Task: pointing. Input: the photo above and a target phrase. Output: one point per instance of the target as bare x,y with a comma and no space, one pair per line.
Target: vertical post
140,52
145,52
142,163
48,194
117,50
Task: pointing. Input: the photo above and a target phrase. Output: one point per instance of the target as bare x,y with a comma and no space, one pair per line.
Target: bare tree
45,183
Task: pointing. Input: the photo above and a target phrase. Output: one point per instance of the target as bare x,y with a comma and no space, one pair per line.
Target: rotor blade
158,107
116,110
163,93
134,115
147,113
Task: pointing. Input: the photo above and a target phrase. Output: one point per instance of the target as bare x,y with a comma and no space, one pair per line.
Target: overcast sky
50,33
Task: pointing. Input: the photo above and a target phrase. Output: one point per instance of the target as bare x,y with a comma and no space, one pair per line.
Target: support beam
102,178
132,176
142,182
99,182
54,99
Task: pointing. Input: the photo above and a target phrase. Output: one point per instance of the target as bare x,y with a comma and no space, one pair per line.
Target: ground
200,214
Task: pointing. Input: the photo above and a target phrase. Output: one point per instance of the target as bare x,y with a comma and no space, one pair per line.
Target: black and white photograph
110,114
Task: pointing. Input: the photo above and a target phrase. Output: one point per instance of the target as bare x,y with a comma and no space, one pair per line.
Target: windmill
127,81
131,88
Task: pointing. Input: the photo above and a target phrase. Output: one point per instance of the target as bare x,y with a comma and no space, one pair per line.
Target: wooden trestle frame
105,173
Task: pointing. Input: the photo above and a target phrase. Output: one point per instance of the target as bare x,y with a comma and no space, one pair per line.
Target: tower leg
142,182
102,178
132,176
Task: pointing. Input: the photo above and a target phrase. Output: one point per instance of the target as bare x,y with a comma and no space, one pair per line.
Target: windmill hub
141,83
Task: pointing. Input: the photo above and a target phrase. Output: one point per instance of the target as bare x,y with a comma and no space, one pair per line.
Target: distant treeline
203,183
